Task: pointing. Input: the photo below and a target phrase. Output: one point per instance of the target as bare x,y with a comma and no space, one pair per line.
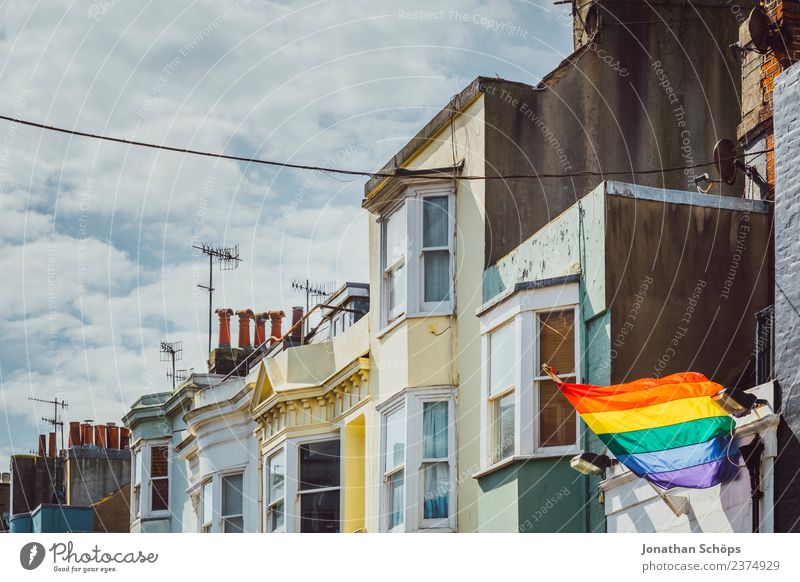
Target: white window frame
136,485
412,205
412,402
223,517
522,310
144,450
206,525
493,400
575,378
270,503
291,492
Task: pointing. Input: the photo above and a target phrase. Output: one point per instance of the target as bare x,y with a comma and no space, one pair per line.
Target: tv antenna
311,290
172,352
55,420
228,259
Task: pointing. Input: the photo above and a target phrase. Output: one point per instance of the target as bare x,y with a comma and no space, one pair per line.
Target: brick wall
787,297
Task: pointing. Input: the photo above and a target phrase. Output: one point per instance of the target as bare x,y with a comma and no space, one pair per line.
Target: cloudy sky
97,264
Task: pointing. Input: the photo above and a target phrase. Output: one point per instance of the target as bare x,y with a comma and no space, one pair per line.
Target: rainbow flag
667,430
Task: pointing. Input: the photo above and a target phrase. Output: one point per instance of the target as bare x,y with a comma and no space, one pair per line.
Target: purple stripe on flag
699,476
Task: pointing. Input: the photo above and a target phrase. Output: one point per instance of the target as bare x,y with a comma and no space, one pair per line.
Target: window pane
232,497
434,429
276,476
319,512
158,461
395,439
437,275
557,340
276,516
502,359
319,465
397,291
396,499
437,487
395,236
208,505
159,495
233,525
556,417
435,221
504,427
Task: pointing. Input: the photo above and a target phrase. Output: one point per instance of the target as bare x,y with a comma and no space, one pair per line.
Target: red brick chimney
51,449
245,315
75,434
86,428
224,314
297,330
261,323
124,437
276,333
100,436
113,436
42,445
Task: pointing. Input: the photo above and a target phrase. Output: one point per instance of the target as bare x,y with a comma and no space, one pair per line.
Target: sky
96,238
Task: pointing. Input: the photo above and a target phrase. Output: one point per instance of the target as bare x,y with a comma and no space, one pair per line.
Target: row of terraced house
418,403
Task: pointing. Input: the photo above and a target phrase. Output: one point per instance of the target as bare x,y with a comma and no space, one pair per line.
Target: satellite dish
725,160
760,27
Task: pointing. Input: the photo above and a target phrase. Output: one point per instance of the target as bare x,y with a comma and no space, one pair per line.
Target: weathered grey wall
683,283
34,480
787,297
608,108
93,473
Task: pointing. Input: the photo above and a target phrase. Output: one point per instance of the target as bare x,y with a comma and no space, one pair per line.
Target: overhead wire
432,173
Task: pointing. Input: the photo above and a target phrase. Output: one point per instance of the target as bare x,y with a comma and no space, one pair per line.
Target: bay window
502,388
206,507
302,486
276,477
232,503
394,449
159,478
417,248
418,461
557,426
524,414
136,485
318,487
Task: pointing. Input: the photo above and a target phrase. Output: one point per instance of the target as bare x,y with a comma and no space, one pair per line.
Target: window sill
522,458
389,327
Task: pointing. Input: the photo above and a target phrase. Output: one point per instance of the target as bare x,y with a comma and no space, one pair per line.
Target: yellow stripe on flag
657,415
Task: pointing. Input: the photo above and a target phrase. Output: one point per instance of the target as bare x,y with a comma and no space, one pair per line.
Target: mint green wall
539,496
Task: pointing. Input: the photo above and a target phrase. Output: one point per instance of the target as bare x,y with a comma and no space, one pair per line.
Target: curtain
437,486
232,495
396,489
434,430
504,427
437,275
435,222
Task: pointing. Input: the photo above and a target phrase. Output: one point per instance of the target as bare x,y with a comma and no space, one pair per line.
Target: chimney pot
75,434
100,437
51,451
113,436
224,314
42,445
124,437
276,333
297,330
245,315
88,436
261,332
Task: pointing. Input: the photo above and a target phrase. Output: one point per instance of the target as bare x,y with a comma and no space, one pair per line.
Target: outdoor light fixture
736,402
590,463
